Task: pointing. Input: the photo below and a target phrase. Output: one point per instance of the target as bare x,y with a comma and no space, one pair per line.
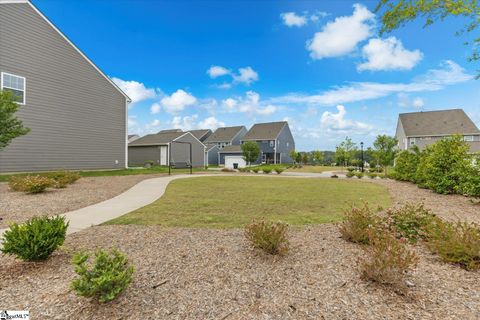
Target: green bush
30,184
255,170
351,169
105,278
63,178
279,170
410,221
227,170
357,223
387,259
470,181
406,165
36,239
271,237
372,175
457,243
350,174
359,175
267,170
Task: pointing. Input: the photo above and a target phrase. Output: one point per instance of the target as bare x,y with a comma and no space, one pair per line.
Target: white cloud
388,54
449,73
229,104
155,108
291,19
404,101
341,36
418,103
245,75
336,122
268,110
177,101
217,71
211,123
249,104
135,90
185,123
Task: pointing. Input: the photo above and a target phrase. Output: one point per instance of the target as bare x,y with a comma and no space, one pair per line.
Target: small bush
105,278
279,170
334,176
227,170
63,178
255,170
30,184
271,237
387,259
372,175
357,223
36,239
457,243
350,174
410,221
359,175
267,170
351,169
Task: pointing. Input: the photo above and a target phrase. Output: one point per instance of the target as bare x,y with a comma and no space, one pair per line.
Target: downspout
275,152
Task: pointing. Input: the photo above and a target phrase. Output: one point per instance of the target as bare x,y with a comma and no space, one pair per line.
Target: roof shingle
156,139
265,131
224,134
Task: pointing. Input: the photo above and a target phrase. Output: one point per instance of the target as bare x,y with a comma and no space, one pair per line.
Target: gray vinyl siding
180,152
400,136
76,116
236,140
212,156
285,144
138,156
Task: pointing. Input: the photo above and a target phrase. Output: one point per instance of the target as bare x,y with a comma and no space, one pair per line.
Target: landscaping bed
213,274
19,207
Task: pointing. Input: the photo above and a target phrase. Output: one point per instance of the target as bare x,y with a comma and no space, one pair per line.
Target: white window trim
24,86
468,138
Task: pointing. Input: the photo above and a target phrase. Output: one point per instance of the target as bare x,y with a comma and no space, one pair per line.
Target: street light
361,147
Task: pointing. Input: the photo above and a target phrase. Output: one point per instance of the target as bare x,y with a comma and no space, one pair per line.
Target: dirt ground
213,274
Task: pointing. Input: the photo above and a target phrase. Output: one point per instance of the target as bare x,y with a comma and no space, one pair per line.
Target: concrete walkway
140,195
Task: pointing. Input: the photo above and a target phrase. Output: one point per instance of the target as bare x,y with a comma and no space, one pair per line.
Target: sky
320,65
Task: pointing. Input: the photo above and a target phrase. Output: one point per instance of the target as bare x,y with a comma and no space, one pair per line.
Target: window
288,144
412,141
272,143
14,84
468,138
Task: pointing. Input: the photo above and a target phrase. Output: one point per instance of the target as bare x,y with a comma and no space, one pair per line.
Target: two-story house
426,127
274,139
76,114
226,136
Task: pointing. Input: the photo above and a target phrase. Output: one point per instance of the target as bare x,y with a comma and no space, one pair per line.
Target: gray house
211,155
165,145
227,136
201,134
76,114
274,139
425,128
132,137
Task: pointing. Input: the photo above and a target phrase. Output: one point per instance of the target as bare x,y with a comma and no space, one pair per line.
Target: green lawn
120,172
232,202
316,169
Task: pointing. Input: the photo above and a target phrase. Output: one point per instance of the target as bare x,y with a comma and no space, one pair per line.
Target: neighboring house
132,137
227,136
77,116
165,145
211,155
231,157
201,134
275,140
425,128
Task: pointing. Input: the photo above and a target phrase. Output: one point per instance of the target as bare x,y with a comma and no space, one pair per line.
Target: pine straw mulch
213,274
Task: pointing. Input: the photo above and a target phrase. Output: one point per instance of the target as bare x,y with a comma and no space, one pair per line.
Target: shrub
372,175
105,278
350,174
63,178
30,184
410,221
271,237
267,170
357,223
359,175
36,239
351,169
387,259
278,170
457,243
334,176
227,170
255,170
406,165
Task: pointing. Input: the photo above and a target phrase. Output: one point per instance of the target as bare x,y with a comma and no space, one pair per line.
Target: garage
235,162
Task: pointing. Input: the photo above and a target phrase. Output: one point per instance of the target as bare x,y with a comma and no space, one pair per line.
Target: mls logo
8,315
3,315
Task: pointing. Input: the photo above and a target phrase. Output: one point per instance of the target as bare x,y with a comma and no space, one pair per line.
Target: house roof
156,139
3,2
170,130
231,149
433,123
265,131
225,134
132,135
200,133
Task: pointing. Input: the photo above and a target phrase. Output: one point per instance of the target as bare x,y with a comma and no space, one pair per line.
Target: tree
305,158
299,158
318,156
385,150
251,151
10,126
397,13
293,154
345,151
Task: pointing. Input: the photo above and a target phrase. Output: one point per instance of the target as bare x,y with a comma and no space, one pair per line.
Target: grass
233,202
316,169
109,173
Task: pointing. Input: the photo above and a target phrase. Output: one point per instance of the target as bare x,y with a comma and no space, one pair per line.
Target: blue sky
321,65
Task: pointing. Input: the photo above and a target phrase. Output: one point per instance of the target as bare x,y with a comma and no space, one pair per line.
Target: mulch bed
213,274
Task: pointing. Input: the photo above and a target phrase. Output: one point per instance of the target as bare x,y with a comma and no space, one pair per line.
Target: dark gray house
426,127
76,114
227,136
167,144
211,155
274,139
201,134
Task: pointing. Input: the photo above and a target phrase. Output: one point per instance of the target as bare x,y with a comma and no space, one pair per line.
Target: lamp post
361,147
